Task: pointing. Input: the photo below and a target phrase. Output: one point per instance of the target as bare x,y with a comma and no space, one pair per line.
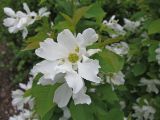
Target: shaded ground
6,86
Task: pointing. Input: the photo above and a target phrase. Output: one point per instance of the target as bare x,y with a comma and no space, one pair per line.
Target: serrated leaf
109,61
43,98
154,27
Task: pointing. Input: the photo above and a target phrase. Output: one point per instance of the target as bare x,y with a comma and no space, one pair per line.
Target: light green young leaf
154,27
96,12
79,13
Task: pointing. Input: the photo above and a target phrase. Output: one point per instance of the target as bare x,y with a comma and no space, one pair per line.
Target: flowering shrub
94,66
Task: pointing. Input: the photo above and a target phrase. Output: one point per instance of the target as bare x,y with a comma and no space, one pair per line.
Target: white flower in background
119,48
158,54
151,85
131,25
18,97
113,24
66,114
145,112
24,115
69,55
64,93
18,21
115,78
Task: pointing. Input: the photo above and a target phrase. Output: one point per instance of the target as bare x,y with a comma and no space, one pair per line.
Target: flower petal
24,33
67,40
89,36
62,95
45,67
81,97
50,50
26,8
74,81
8,11
89,70
9,22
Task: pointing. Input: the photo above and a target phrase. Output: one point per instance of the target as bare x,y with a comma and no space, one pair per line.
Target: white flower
18,21
113,24
145,112
64,93
24,115
151,85
131,25
18,97
66,114
115,78
119,48
158,54
69,55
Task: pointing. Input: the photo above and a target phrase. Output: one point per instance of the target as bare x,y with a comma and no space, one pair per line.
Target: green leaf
96,12
79,13
154,27
43,98
151,52
139,69
115,114
33,42
109,61
81,112
106,93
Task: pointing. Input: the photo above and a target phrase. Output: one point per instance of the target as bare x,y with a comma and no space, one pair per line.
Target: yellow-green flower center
73,57
77,49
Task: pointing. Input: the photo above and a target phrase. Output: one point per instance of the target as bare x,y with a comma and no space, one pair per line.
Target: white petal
81,97
89,70
24,33
89,36
45,67
13,29
26,8
91,52
66,114
62,95
50,50
8,11
42,12
67,40
20,14
9,22
74,81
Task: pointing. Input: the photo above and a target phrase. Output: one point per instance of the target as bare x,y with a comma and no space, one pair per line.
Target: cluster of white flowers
158,54
118,29
144,112
69,59
115,79
19,21
119,48
20,101
151,85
